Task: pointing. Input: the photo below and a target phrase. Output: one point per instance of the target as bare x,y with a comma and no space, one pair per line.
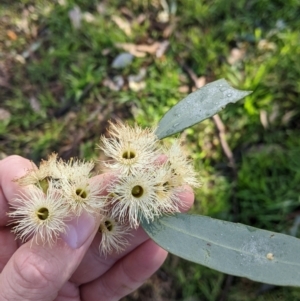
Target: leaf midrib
228,247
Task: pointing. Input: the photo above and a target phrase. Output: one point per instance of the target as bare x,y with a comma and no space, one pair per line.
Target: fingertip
161,159
105,179
186,195
157,255
145,260
11,168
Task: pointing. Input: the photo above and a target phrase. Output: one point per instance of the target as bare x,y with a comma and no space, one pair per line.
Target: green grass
58,101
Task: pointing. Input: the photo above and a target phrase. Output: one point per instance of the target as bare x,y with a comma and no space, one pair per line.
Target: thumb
37,271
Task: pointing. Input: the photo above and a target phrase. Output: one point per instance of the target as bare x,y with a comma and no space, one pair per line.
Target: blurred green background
67,67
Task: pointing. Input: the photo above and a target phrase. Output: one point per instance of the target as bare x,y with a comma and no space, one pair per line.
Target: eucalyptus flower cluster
147,177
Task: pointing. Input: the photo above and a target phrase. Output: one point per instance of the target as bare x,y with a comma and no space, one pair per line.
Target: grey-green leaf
198,106
231,248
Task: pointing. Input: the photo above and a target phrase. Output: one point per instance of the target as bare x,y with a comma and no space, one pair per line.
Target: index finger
11,168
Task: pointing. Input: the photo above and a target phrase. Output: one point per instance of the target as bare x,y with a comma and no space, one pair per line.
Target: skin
72,269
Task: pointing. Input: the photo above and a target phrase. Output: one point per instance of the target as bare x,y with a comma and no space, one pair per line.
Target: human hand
72,269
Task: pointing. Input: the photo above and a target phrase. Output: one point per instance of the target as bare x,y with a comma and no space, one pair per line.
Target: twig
222,136
228,283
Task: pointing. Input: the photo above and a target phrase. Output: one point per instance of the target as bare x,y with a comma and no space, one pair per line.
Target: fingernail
79,230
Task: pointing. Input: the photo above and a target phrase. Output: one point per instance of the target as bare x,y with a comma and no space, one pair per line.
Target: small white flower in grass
113,236
83,193
182,168
141,195
131,148
39,215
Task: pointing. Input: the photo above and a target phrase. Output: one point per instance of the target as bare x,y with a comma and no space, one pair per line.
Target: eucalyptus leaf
228,247
197,106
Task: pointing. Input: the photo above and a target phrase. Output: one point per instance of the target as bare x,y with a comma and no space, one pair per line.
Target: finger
11,168
186,195
105,179
94,265
38,272
126,275
8,245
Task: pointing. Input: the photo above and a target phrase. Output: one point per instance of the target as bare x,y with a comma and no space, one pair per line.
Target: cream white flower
74,169
131,148
113,236
167,190
41,176
182,168
83,193
56,170
142,194
39,215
